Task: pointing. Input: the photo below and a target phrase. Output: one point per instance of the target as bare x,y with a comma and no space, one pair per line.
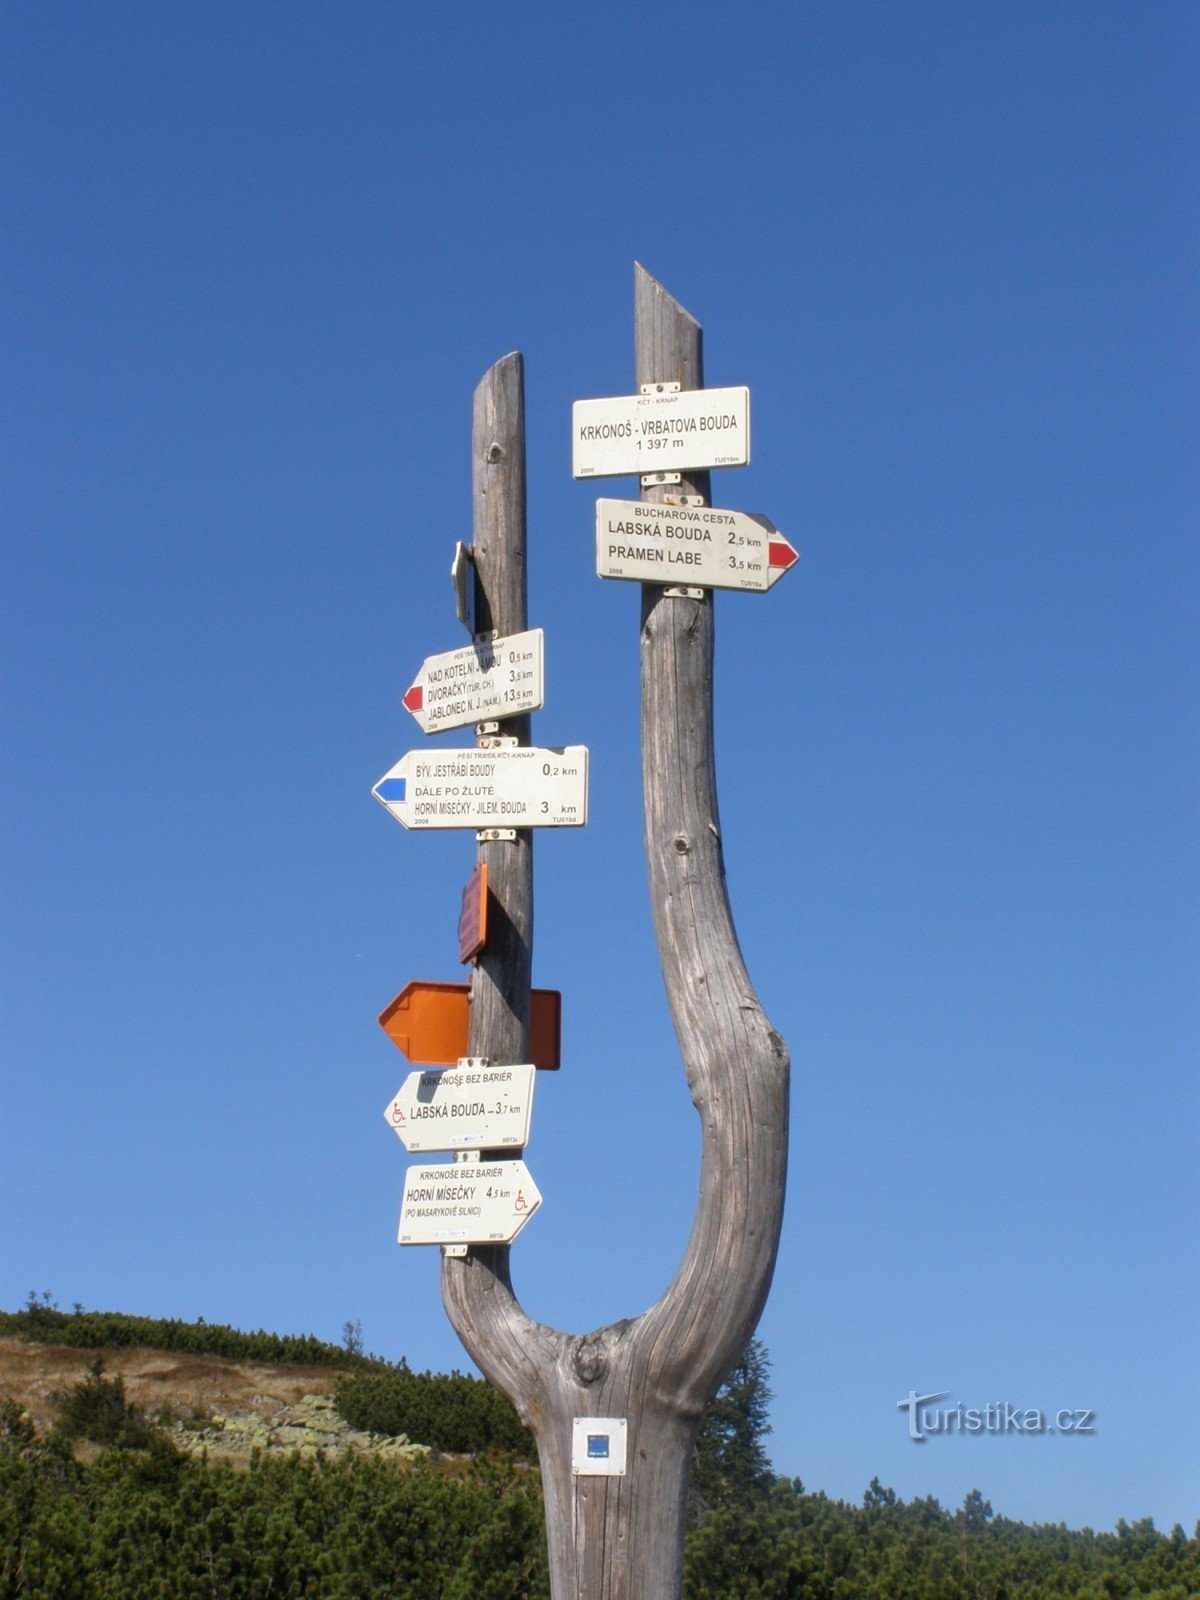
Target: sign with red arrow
689,546
492,678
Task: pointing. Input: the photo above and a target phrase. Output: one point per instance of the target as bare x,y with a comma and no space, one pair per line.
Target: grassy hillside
444,1411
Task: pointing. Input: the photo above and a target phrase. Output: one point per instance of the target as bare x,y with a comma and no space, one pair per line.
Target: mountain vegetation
449,1411
103,1505
41,1319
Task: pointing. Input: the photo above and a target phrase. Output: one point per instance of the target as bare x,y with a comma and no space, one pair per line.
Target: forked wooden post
621,1538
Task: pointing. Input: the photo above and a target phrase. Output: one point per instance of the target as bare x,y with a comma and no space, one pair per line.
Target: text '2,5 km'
699,545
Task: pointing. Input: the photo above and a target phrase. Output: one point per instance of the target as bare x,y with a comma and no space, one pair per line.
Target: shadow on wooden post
621,1538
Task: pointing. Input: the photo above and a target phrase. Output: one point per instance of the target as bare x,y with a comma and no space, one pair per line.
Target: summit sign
672,431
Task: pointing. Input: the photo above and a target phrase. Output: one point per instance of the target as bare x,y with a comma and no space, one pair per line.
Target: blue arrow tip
390,791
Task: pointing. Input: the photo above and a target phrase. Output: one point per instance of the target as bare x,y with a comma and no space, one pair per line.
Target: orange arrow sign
428,1021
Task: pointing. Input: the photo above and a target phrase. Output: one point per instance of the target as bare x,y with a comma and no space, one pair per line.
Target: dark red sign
472,919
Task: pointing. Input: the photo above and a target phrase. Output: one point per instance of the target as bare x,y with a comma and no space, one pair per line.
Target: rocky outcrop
310,1425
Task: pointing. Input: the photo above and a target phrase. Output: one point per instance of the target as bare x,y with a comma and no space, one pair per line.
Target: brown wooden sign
472,919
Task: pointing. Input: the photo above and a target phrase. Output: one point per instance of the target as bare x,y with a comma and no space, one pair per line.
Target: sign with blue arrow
510,787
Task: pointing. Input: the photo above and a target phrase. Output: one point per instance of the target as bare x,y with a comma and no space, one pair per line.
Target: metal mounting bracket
496,835
498,741
660,388
455,1251
463,577
473,1063
651,480
685,594
683,499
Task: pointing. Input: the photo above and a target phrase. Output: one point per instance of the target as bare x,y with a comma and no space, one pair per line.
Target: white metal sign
689,545
598,1446
494,677
467,1202
661,432
506,788
468,1107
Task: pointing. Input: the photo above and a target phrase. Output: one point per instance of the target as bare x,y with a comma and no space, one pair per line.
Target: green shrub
121,1528
448,1411
96,1409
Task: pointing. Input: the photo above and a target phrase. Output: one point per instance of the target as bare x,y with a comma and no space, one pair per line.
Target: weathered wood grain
499,1015
476,1290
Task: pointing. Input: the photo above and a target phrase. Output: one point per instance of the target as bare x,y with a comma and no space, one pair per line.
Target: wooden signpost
616,1411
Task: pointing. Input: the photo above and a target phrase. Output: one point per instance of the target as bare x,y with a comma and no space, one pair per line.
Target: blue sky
256,260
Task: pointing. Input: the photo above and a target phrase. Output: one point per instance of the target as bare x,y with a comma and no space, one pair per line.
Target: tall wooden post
621,1538
499,1013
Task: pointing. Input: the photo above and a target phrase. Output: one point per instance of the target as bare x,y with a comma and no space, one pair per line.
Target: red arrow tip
414,699
779,554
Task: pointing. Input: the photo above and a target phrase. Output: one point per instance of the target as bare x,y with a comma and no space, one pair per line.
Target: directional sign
506,788
697,546
494,677
428,1021
467,1202
472,919
664,432
463,1108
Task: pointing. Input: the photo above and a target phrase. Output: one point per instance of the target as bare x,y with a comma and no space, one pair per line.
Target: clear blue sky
256,258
